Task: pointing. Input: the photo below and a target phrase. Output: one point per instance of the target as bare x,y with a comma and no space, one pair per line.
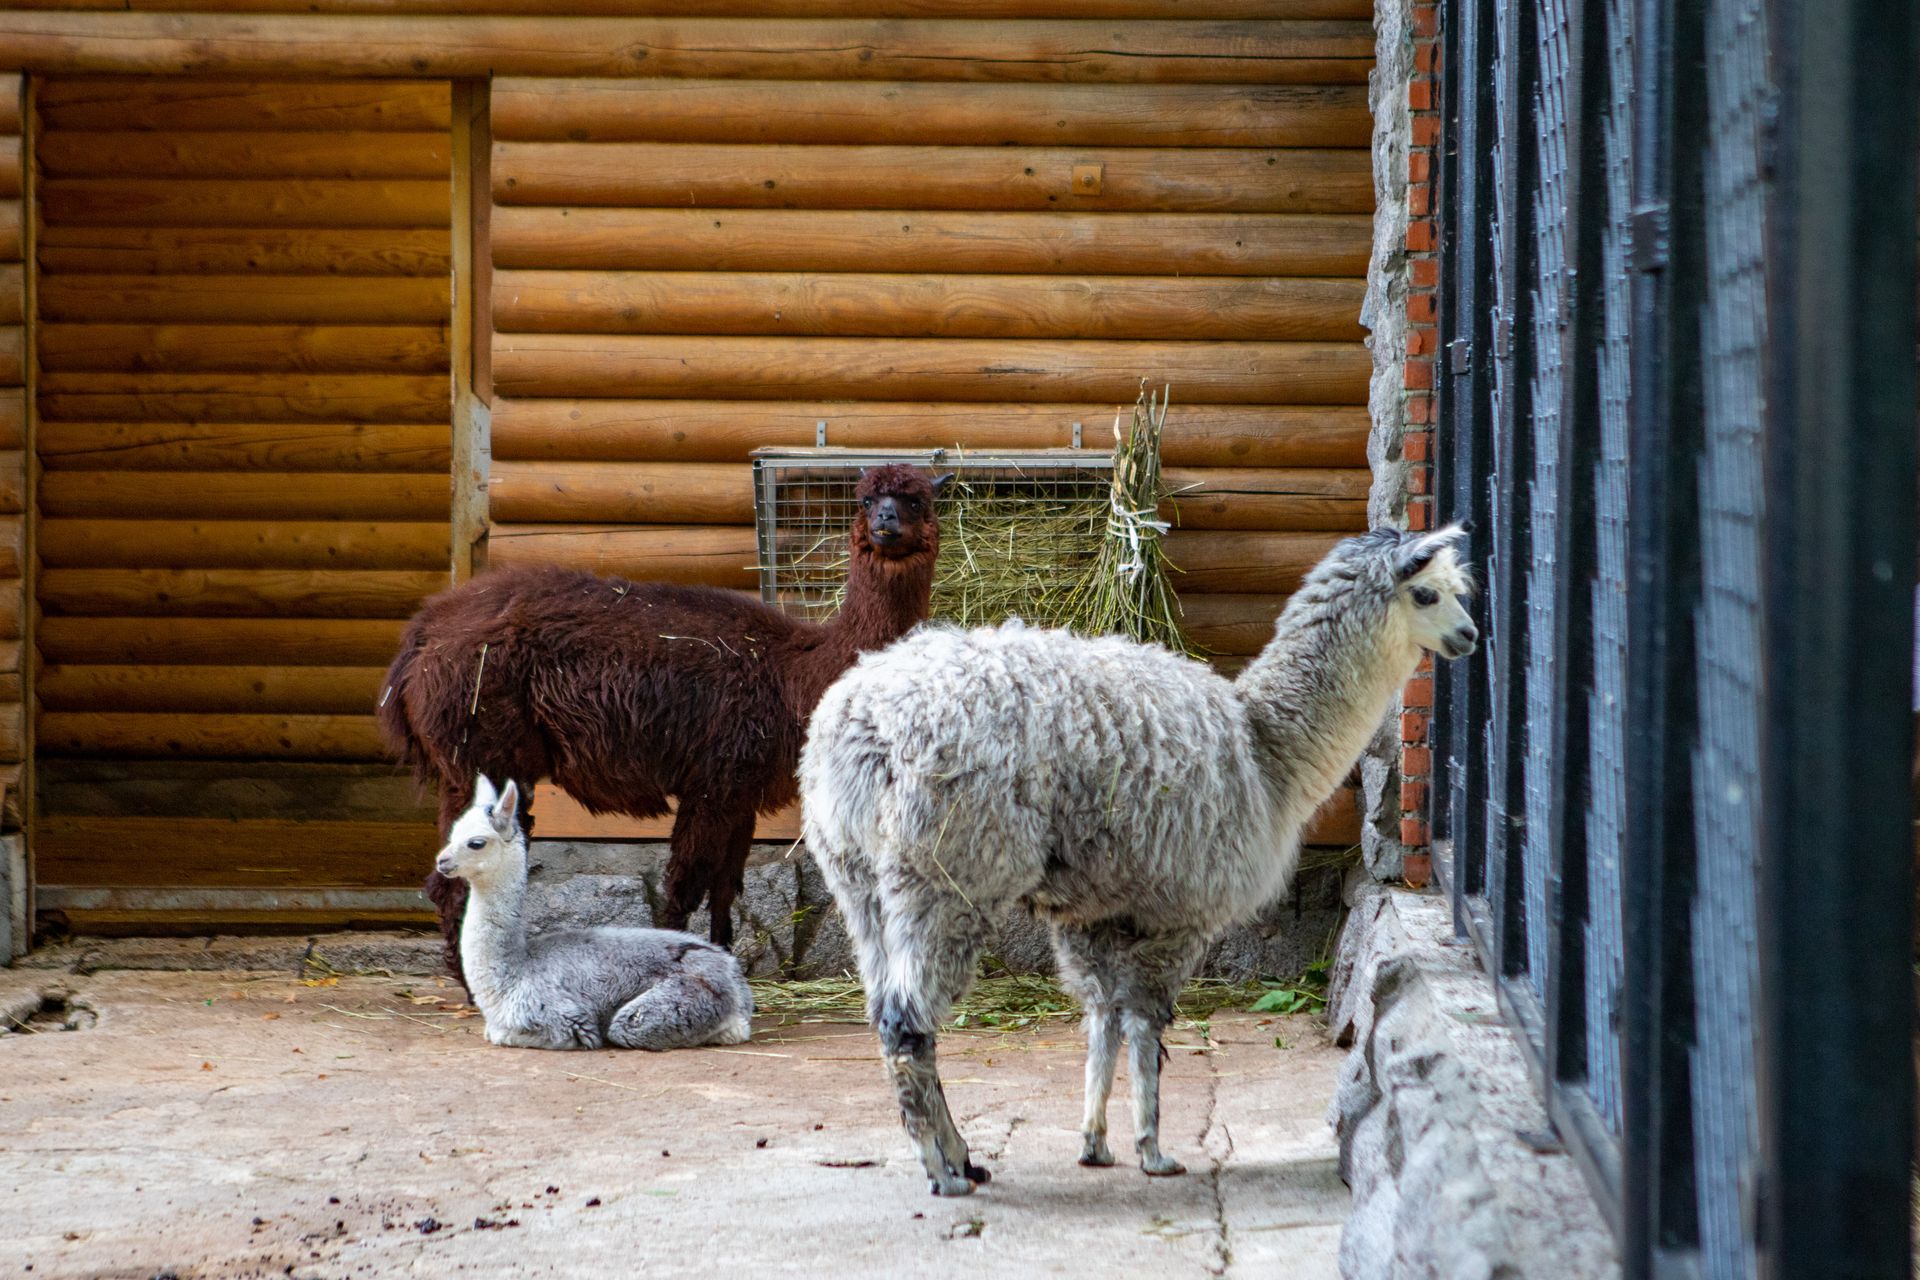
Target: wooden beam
245,348
271,251
259,544
236,299
1246,52
241,446
1293,498
205,689
260,495
232,641
932,240
928,306
237,593
180,852
145,154
1133,179
621,365
169,734
242,397
716,557
1243,563
931,113
11,236
1209,10
167,105
244,202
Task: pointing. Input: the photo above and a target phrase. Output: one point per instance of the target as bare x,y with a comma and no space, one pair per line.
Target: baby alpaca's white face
484,840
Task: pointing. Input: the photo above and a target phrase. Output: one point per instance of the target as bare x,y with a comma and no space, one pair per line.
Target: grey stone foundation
1455,1170
785,923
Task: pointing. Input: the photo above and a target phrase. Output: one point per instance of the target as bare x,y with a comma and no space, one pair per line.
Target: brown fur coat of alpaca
628,693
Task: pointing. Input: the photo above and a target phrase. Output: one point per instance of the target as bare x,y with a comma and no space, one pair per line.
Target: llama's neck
1317,693
885,600
493,935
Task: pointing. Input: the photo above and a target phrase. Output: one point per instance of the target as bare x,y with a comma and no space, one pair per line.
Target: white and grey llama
1132,798
578,988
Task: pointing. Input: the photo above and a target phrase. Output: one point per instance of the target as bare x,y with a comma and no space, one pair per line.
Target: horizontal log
13,731
141,154
729,430
13,482
228,641
558,816
251,348
10,104
11,239
244,397
1255,52
10,655
1316,499
13,539
1144,179
245,298
623,365
12,606
927,306
197,852
1230,624
13,293
1246,244
142,913
272,251
1243,562
207,689
13,355
619,492
11,178
1212,10
257,495
238,593
242,446
172,105
243,544
301,790
244,202
716,557
13,417
931,114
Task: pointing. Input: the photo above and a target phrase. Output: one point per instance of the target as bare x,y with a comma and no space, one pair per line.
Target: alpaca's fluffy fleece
1136,800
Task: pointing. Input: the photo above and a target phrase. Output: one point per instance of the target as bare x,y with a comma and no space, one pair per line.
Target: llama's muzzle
1464,640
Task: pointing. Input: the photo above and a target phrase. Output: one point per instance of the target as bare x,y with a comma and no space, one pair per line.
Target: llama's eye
867,503
1424,596
478,842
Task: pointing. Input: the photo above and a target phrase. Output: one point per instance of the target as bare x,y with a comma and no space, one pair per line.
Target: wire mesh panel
1019,528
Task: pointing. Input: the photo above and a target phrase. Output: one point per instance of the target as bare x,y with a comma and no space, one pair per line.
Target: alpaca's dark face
896,517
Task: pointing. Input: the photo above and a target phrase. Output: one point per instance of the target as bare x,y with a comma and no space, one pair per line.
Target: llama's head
1430,587
485,842
896,519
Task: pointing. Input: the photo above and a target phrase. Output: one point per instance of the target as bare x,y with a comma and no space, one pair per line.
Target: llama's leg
679,1012
1143,1044
690,864
931,949
1103,1052
449,896
729,876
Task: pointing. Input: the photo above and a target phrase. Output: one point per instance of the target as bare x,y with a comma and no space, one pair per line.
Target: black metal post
1836,1100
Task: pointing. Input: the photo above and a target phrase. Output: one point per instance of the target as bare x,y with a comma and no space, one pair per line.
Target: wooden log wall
13,468
243,436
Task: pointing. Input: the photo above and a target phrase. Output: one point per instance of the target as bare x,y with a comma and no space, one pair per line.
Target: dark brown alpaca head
895,540
895,521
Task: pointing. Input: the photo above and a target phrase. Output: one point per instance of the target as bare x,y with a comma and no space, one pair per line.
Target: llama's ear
484,794
506,809
1416,553
940,481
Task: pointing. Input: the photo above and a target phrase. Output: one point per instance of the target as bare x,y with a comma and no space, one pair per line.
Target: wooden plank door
243,441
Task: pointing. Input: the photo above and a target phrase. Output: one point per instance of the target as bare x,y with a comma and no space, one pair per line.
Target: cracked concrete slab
232,1124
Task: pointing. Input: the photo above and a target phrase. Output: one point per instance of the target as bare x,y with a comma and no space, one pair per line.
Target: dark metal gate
1678,409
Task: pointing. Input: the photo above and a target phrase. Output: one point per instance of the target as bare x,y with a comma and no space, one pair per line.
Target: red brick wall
1423,267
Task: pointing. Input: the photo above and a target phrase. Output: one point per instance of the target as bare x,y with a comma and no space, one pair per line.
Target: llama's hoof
977,1175
1096,1154
1159,1165
947,1184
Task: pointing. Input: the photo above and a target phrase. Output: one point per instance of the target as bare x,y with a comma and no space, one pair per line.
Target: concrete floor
234,1125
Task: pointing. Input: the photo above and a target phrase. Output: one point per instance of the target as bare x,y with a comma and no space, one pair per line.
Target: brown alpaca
627,693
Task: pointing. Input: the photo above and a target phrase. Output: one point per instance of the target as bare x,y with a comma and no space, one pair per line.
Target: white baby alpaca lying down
578,988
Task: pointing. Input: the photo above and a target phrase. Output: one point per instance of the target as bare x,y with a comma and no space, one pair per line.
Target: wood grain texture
1243,563
200,689
622,365
239,299
12,240
928,306
145,154
696,556
13,537
250,348
930,113
242,446
1136,179
13,481
86,851
1211,10
259,544
166,105
1281,499
728,430
274,251
244,202
13,293
617,492
1251,52
10,104
220,641
243,397
1245,244
1231,624
238,593
13,355
13,417
260,495
11,176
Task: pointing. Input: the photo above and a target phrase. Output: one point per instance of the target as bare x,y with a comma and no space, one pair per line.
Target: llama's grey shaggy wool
579,988
1135,800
